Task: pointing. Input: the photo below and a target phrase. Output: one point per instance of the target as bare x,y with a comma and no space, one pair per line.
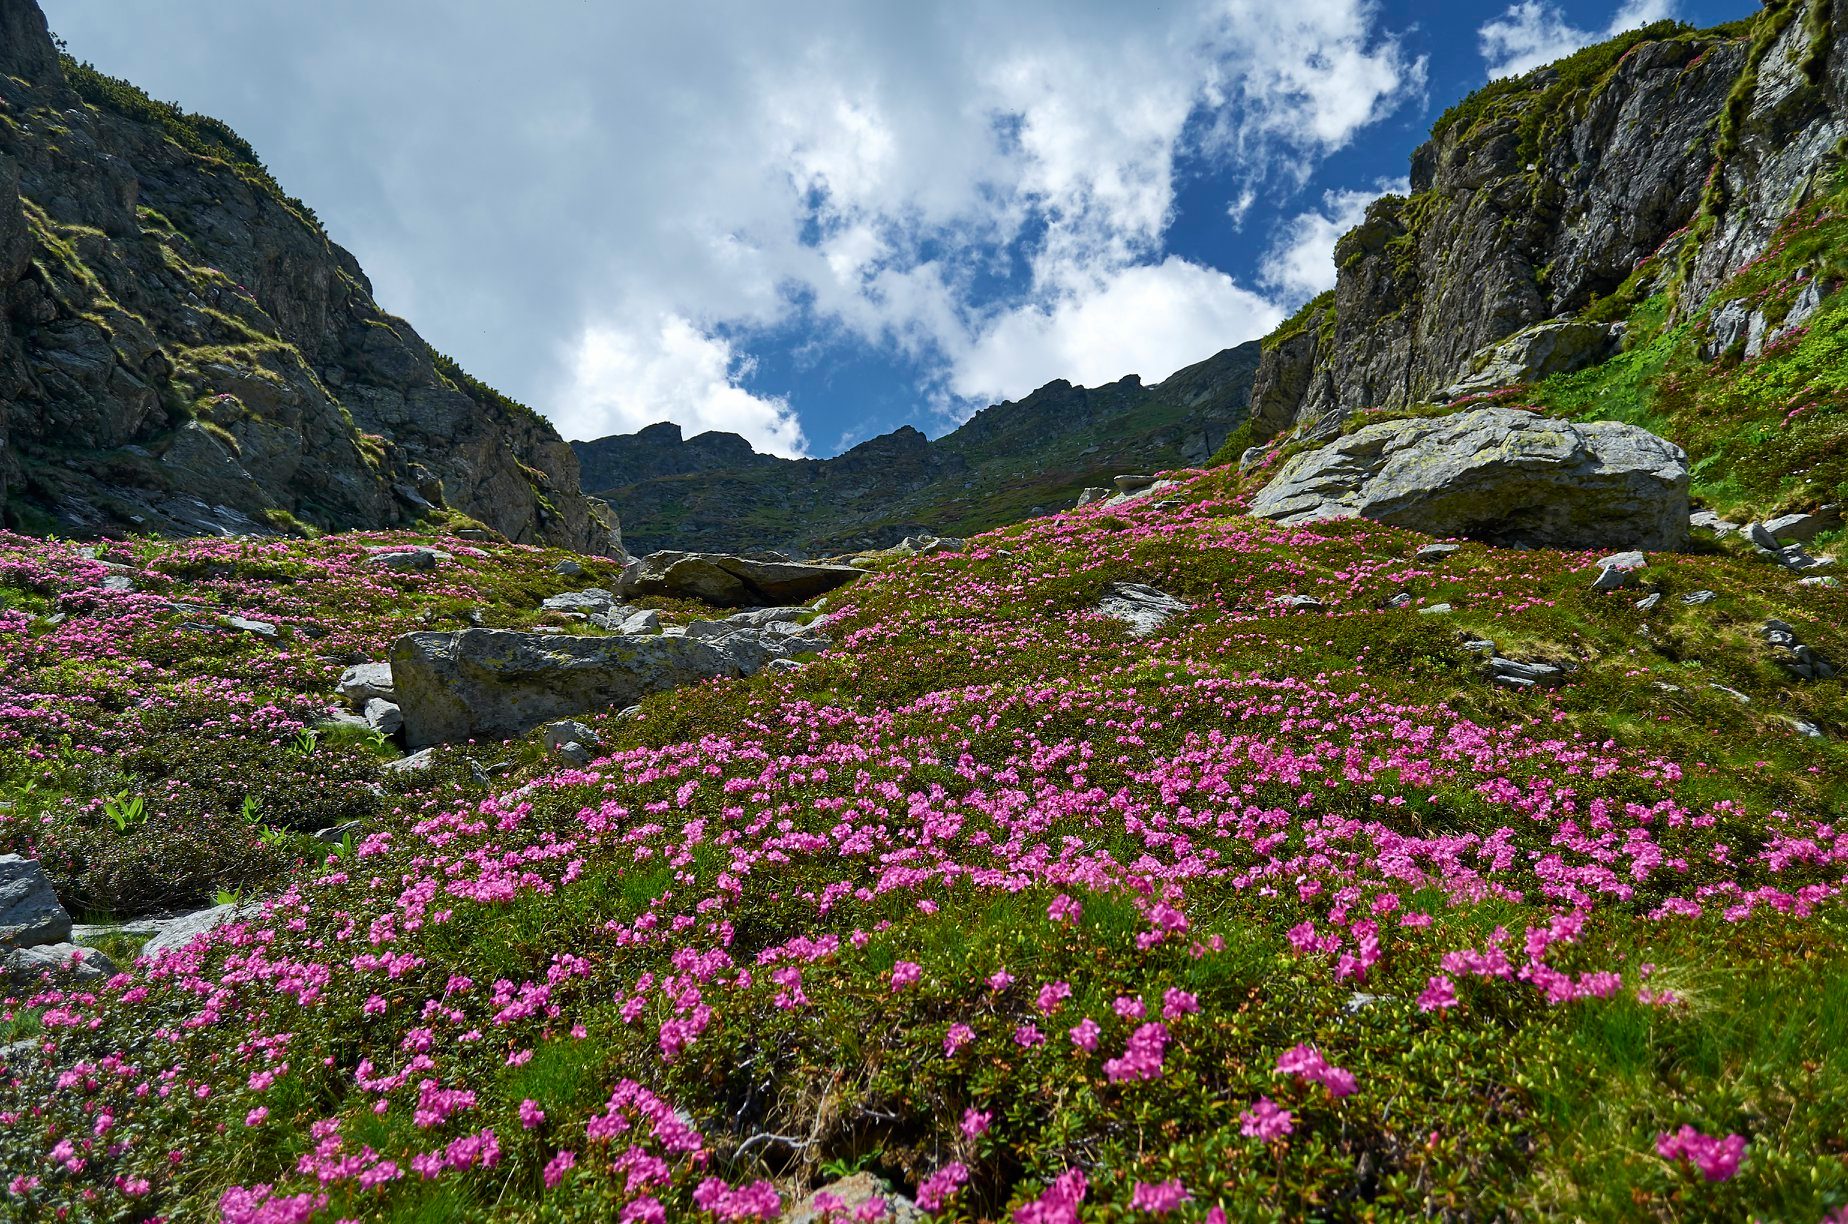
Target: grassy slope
977,746
1766,433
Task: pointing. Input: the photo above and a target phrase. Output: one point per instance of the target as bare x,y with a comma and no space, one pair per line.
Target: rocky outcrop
711,492
1494,474
496,683
1558,346
730,581
1533,197
182,349
1779,136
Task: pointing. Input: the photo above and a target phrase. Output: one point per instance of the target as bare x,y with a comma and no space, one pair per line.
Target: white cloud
1301,259
1536,32
644,178
623,378
1150,319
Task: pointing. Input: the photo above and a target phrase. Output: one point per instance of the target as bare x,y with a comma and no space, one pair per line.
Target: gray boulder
1143,608
645,621
24,968
408,561
758,618
177,933
731,581
1802,528
30,912
591,599
383,716
416,762
496,683
1617,570
567,731
362,682
846,1197
1494,474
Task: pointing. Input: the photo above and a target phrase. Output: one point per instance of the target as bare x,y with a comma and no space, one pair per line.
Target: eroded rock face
1499,235
133,272
1494,474
497,683
731,581
1555,347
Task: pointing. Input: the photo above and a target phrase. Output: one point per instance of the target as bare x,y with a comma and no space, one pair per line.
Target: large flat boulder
731,581
1494,474
497,683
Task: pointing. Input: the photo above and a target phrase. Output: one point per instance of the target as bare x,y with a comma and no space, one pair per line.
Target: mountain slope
1007,462
183,350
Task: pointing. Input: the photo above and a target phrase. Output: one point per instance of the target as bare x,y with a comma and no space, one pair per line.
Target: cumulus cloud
662,186
1301,260
1149,319
622,380
1536,32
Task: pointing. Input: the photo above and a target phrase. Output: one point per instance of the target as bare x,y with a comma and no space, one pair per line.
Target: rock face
713,493
1494,474
730,581
1556,347
30,912
496,683
183,350
1533,197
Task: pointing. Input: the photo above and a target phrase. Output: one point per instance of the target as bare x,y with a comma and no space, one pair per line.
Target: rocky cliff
183,350
1009,461
1532,197
1651,230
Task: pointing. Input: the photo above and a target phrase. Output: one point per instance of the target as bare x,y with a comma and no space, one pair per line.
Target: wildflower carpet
1286,911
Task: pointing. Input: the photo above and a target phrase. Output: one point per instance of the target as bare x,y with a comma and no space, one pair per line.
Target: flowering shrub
1270,912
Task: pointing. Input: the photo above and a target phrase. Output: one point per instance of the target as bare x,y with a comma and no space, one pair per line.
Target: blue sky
813,222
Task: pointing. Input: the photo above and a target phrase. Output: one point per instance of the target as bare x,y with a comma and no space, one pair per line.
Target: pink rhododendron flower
530,1114
1159,1198
1176,1003
936,1191
757,1201
1084,1035
959,1036
1306,1062
557,1167
1052,995
1142,1058
905,973
1439,994
975,1121
1058,1204
1266,1121
1717,1159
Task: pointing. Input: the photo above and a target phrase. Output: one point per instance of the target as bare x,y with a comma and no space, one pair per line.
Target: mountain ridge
1008,460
